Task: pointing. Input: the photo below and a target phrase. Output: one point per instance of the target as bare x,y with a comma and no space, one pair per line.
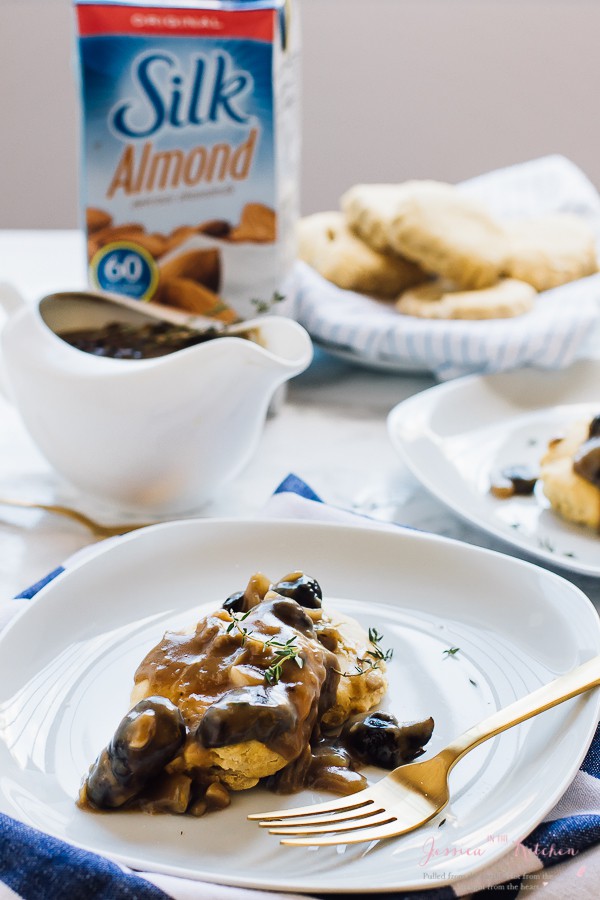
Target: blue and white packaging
190,149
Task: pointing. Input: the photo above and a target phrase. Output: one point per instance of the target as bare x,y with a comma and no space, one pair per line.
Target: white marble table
331,431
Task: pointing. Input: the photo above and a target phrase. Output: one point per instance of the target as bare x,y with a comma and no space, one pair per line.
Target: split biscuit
434,225
551,251
440,299
571,496
327,244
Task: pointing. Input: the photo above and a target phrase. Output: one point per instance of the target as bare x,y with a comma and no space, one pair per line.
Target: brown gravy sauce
214,688
202,674
121,340
216,677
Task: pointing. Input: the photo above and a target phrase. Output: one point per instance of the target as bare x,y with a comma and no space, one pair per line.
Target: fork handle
563,688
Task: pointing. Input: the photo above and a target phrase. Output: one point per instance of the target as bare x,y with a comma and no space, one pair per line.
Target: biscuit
434,225
356,692
327,244
220,662
440,299
551,251
571,496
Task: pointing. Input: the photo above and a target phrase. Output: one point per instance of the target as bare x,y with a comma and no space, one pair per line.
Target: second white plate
455,436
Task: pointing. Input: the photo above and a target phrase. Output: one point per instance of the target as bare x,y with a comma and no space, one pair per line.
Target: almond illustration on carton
96,219
183,293
217,228
203,266
156,244
179,235
118,232
258,224
188,280
130,231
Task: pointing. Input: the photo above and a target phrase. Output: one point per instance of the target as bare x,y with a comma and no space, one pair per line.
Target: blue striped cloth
548,337
35,866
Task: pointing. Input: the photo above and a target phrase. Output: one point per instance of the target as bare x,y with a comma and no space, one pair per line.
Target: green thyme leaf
286,651
376,655
263,306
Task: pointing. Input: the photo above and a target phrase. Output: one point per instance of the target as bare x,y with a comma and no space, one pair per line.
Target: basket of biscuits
485,276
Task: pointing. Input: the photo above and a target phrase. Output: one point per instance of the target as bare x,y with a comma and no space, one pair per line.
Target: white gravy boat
157,435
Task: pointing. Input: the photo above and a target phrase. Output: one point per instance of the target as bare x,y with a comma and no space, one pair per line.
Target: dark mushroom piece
291,613
513,480
146,739
522,478
380,740
235,602
302,588
594,430
248,713
251,596
586,461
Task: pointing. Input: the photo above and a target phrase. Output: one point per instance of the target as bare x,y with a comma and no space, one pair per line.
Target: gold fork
98,530
411,795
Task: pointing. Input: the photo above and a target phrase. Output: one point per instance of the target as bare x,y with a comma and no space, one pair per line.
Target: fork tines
338,822
343,803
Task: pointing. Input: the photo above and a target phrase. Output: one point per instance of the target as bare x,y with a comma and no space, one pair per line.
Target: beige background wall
392,89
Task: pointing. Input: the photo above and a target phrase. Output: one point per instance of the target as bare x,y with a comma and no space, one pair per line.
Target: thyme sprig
236,618
376,638
289,650
372,658
285,651
263,306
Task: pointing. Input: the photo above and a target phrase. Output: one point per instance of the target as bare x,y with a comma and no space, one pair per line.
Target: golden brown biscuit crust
433,224
571,496
442,300
327,244
551,250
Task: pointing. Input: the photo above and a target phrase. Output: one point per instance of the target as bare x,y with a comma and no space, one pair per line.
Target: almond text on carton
149,170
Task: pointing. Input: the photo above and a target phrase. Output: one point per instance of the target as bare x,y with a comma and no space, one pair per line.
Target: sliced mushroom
380,740
586,461
147,738
248,713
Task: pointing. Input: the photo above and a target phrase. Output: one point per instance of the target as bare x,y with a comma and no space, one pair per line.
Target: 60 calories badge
125,268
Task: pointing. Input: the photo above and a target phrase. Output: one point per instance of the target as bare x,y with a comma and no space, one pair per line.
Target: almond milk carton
190,150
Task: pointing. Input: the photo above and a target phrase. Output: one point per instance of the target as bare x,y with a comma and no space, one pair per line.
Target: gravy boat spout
158,435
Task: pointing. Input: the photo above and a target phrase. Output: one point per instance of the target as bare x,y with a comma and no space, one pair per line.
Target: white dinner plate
456,437
66,669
